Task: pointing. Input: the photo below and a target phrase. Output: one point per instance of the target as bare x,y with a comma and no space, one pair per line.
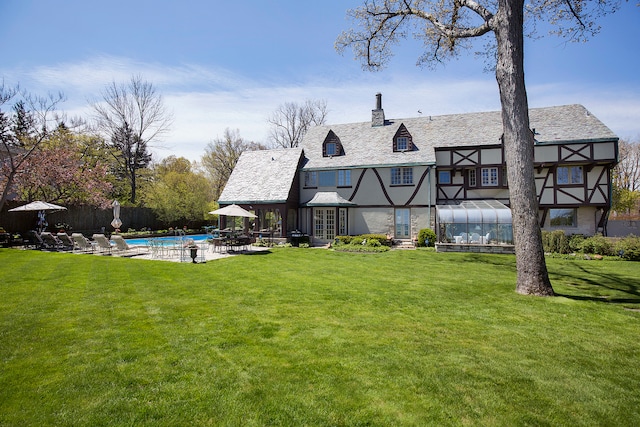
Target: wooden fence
81,219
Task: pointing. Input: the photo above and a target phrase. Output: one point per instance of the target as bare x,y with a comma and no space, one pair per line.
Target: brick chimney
377,115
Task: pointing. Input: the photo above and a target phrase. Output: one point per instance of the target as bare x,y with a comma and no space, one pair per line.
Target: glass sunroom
475,222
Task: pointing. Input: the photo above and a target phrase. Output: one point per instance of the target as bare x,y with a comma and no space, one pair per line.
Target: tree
22,131
63,173
290,121
178,193
131,117
447,26
626,177
221,156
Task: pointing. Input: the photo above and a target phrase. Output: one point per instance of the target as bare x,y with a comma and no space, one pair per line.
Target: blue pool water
168,240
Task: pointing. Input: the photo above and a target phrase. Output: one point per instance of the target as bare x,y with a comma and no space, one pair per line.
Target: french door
324,223
403,224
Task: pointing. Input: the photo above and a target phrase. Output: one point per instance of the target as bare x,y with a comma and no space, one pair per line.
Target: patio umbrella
41,207
38,206
233,210
116,223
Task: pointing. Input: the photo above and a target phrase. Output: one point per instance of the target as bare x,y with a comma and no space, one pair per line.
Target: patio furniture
122,246
67,243
50,241
104,245
81,243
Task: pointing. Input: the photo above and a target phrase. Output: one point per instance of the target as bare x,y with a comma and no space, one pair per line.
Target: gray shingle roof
264,176
365,145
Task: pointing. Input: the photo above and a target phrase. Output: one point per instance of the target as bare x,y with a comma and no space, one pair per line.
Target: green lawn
313,337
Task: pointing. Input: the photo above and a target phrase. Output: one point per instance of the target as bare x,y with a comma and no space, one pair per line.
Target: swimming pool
168,240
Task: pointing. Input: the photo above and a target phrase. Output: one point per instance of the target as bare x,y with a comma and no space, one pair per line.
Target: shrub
629,248
426,237
357,240
343,240
575,242
373,242
598,245
555,242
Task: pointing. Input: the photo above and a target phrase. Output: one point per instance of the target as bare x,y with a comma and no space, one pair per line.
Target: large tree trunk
532,275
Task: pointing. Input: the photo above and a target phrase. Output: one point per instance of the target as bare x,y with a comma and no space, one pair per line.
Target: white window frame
401,176
489,177
569,175
311,179
403,223
402,143
331,149
344,178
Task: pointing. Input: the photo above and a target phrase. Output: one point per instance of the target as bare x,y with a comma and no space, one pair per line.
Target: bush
426,237
555,242
343,240
629,248
597,245
373,242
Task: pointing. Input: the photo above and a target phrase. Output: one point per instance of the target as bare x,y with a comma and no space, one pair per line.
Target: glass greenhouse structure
481,222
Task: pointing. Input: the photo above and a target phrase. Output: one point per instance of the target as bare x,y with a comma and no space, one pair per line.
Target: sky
229,65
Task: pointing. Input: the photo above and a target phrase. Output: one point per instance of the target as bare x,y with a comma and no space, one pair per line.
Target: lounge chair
122,246
464,238
67,243
104,245
475,238
81,243
50,241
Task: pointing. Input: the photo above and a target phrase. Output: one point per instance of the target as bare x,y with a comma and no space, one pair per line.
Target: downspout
429,197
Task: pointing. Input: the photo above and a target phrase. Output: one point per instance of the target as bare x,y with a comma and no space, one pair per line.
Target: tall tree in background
221,156
61,172
626,178
446,26
290,121
131,116
179,194
22,131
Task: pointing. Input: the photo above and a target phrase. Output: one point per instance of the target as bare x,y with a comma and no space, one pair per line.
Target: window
403,143
505,182
563,217
567,175
489,177
344,178
401,176
472,178
444,177
325,223
327,179
403,224
342,221
331,149
311,179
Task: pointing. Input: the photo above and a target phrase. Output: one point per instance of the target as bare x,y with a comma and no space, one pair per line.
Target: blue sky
221,64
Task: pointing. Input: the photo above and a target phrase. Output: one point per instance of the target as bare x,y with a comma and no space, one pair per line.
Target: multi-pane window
489,177
403,223
402,143
325,223
327,179
331,149
342,221
444,177
311,179
566,175
563,217
344,178
401,176
472,178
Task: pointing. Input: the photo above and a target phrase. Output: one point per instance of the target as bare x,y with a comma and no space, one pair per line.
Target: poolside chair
464,238
81,243
122,246
475,238
67,243
50,241
104,245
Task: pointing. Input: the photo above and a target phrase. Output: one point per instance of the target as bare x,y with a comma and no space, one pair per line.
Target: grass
318,338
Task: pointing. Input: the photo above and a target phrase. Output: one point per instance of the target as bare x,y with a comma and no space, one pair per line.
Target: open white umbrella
116,223
38,206
233,210
41,207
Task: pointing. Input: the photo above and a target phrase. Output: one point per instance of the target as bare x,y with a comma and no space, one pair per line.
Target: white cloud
205,101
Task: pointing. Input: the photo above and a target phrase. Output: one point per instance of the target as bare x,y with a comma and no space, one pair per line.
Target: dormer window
402,140
332,146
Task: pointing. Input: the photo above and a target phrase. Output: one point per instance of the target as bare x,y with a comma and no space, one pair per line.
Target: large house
397,176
